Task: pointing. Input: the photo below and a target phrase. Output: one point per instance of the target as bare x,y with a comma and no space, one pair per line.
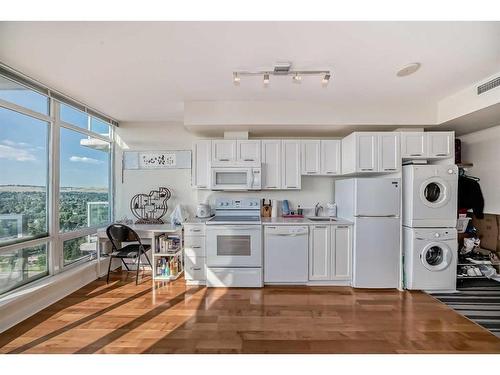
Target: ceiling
146,71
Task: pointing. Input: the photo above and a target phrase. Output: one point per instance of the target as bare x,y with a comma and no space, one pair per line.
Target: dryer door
435,192
436,256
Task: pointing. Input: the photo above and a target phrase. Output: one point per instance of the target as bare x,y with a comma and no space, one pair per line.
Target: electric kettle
203,210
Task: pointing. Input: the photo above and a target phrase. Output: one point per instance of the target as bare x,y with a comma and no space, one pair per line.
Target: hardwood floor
121,317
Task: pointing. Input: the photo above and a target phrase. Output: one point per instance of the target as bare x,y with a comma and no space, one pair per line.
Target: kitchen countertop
302,221
282,221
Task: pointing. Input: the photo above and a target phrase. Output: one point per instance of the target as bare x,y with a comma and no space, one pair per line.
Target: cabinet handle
441,154
223,159
415,154
248,159
196,268
342,226
202,186
270,187
320,226
195,230
196,247
291,187
330,172
367,169
310,172
389,169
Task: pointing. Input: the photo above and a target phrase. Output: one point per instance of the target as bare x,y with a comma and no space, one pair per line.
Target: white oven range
234,244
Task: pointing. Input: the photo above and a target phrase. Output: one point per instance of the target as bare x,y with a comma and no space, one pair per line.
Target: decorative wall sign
157,159
150,208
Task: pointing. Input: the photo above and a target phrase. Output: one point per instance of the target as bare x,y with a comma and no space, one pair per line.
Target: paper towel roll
274,208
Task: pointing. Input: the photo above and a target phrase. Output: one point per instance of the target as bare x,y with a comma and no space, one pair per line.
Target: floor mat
478,303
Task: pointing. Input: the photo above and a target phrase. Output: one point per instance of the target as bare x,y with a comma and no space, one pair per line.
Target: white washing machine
430,196
430,258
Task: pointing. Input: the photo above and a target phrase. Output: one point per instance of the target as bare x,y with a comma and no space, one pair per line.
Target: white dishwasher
286,254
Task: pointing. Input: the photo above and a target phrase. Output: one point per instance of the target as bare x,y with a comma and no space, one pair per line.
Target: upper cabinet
248,151
389,157
331,157
321,157
223,151
290,164
369,152
271,164
441,144
226,152
427,145
311,154
200,171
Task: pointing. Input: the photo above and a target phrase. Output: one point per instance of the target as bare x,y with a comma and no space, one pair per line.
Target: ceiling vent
488,85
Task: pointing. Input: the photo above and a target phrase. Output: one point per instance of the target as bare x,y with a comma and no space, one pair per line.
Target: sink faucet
317,208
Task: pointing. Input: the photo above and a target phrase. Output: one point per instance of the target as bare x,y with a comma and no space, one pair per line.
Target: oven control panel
237,204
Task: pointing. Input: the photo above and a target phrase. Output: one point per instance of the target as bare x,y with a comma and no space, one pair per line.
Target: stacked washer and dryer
429,226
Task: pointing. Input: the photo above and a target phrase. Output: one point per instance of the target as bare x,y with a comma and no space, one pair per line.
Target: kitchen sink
321,218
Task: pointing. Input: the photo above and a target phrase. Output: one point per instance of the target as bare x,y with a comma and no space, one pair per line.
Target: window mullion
56,243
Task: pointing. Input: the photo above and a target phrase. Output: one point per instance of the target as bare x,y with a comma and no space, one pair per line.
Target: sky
24,144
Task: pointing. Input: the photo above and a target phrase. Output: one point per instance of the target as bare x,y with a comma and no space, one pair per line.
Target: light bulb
236,79
266,79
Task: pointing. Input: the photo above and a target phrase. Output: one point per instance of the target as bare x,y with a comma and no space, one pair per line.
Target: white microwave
236,178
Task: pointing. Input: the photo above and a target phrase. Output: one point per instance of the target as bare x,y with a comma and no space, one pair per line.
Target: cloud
12,153
84,159
10,143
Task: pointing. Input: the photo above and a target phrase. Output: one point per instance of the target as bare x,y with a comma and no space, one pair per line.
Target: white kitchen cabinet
311,157
223,151
389,158
248,151
427,145
290,164
194,254
319,252
369,152
340,252
330,253
200,171
440,144
271,164
413,145
331,156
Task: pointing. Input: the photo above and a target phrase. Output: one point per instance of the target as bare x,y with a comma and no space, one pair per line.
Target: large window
22,266
55,181
84,186
23,177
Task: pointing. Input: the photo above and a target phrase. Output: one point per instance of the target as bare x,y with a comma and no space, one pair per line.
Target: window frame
54,240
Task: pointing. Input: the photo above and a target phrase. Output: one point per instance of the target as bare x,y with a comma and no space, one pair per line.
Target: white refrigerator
373,204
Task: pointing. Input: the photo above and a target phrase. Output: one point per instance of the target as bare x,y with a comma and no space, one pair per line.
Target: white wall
482,148
134,136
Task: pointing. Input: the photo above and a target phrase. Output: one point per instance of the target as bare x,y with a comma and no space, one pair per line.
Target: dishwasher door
286,253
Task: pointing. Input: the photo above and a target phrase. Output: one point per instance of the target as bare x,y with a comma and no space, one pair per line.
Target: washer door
436,256
435,192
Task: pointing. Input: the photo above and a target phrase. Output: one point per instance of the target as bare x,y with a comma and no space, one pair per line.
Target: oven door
232,178
234,245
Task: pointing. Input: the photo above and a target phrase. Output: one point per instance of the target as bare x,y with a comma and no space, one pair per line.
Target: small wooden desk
149,232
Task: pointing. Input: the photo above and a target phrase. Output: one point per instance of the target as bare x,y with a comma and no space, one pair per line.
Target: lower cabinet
330,253
194,254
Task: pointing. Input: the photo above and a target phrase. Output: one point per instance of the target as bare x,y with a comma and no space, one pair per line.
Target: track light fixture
283,69
266,79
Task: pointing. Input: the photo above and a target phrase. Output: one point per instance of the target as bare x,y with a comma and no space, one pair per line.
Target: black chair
119,233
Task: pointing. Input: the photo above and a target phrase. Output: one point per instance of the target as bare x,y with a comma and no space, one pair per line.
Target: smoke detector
408,69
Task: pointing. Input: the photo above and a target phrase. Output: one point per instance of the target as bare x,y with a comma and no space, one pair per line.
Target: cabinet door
223,151
200,172
331,157
271,164
413,145
341,252
319,252
367,152
290,164
248,151
310,157
389,154
440,144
